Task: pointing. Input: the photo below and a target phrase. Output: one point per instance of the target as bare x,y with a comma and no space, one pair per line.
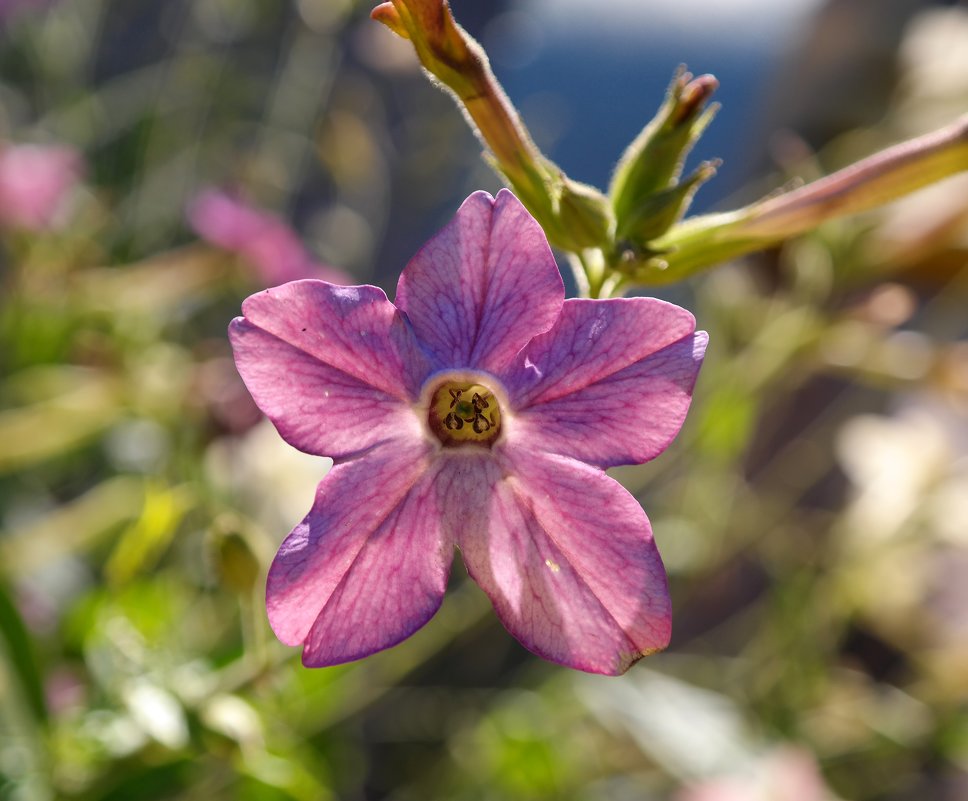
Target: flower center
463,412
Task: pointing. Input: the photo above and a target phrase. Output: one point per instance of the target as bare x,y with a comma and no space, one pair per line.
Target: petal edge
355,502
570,585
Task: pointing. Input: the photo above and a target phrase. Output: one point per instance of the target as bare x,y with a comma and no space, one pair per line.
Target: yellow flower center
464,412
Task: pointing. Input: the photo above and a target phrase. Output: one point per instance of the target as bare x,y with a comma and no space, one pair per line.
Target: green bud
584,216
653,162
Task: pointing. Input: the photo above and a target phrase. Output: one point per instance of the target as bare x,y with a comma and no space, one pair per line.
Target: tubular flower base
479,411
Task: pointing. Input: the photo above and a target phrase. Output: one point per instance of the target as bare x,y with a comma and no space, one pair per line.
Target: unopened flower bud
695,94
871,182
653,162
584,216
455,59
238,566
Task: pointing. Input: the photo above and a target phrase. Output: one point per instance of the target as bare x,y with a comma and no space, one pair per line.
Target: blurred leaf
34,332
145,611
143,543
727,418
21,656
74,527
34,433
154,286
271,777
42,382
690,730
149,782
528,767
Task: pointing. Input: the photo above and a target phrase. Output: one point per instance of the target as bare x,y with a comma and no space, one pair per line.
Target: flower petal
611,382
368,565
332,367
567,557
483,286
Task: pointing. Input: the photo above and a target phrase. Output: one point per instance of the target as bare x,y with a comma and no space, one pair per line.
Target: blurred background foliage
813,514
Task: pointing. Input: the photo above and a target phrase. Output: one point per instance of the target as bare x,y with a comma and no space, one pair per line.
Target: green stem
593,264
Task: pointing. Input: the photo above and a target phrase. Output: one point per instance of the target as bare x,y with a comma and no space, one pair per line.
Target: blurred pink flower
261,239
35,182
786,774
480,411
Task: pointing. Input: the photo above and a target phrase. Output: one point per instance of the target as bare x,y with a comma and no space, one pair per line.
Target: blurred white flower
269,478
934,64
157,713
785,774
904,534
690,730
891,462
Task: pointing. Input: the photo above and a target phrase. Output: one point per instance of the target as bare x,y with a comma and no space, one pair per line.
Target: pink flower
263,240
481,411
35,182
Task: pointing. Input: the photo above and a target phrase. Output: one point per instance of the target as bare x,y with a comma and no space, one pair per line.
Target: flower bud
460,64
443,47
868,183
653,162
237,565
703,241
584,217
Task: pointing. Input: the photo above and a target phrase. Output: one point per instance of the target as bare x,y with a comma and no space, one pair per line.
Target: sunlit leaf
143,543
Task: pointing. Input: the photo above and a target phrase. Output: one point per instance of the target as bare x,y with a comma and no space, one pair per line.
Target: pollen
463,413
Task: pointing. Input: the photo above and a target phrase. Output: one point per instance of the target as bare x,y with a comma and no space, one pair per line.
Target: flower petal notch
479,411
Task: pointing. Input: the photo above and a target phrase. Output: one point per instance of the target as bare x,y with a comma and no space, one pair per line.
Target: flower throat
464,413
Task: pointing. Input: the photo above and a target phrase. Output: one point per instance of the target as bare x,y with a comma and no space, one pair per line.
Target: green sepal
658,212
691,246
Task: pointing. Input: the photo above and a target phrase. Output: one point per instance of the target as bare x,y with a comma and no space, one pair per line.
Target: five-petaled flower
479,411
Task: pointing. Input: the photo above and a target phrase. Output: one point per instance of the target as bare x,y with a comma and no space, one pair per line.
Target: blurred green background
813,515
